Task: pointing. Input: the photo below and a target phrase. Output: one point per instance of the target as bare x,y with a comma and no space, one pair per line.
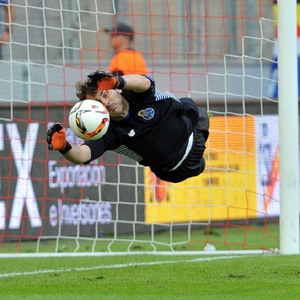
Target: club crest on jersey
146,114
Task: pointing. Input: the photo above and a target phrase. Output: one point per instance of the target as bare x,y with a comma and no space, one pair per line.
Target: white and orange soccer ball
89,119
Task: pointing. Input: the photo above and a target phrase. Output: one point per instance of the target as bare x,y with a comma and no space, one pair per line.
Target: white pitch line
116,266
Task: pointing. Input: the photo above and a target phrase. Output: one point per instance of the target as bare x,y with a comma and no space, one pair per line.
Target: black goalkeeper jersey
156,131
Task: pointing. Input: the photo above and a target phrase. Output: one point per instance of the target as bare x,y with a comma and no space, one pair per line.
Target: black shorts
194,164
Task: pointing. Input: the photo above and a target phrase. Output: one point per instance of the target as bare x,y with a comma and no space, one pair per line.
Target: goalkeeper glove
56,139
101,81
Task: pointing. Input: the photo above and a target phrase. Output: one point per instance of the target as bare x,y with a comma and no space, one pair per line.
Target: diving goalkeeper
152,127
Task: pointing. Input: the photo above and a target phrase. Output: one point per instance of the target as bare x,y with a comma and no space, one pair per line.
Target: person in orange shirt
126,60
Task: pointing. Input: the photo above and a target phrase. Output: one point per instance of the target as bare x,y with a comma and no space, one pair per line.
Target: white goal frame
288,127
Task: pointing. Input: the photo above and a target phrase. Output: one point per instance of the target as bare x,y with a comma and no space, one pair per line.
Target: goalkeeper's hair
82,90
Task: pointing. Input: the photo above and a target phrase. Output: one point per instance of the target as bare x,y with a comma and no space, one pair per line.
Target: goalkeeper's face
115,103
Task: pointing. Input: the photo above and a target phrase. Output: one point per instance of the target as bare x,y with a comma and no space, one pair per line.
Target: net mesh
220,53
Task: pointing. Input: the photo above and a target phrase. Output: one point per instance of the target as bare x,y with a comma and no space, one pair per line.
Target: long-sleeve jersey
156,131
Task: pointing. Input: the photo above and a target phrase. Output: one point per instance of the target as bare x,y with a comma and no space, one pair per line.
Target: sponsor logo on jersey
146,114
131,133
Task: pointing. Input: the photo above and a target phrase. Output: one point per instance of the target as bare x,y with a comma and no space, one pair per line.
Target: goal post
220,53
288,127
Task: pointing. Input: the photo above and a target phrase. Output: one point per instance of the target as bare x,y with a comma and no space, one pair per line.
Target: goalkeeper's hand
56,138
101,81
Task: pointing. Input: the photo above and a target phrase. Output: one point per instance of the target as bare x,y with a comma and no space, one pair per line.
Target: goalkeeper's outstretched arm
78,154
101,81
56,139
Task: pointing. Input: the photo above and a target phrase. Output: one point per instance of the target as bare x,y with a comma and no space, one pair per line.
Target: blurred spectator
126,60
9,16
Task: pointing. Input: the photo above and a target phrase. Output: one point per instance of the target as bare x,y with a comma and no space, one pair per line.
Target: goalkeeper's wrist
121,82
66,148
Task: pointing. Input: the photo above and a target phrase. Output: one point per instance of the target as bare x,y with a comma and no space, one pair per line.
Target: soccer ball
89,119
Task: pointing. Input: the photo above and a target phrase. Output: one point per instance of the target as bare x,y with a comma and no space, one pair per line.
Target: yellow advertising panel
226,189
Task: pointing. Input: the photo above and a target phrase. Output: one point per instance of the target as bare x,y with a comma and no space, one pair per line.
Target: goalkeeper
154,128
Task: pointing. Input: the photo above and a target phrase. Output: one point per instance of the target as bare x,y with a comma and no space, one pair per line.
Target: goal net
220,53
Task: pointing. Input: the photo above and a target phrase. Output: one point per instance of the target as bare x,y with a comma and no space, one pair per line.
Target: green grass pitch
148,276
151,277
